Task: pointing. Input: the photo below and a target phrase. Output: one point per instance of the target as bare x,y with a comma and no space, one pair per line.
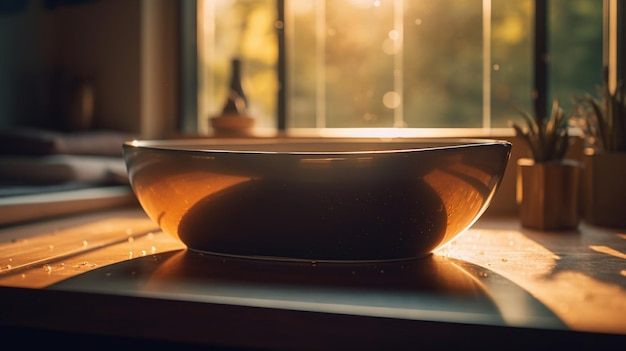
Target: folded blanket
9,188
31,141
56,169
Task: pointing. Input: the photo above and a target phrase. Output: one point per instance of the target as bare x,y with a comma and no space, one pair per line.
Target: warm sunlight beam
548,274
607,250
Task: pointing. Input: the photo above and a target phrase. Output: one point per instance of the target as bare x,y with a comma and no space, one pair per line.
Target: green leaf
547,139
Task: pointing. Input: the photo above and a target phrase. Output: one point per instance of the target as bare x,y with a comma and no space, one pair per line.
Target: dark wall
24,58
54,53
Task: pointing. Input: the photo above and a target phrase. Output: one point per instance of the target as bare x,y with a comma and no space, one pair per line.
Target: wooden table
113,277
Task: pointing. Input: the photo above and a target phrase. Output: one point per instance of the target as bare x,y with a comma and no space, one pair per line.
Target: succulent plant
603,120
548,138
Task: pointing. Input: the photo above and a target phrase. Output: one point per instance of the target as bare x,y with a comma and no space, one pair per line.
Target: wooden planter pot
548,194
604,189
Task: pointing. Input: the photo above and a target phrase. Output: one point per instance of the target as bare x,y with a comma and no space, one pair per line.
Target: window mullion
486,64
281,68
320,64
398,70
540,58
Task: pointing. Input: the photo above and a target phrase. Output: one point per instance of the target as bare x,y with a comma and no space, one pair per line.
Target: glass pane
359,68
341,63
511,68
443,63
408,63
243,29
575,48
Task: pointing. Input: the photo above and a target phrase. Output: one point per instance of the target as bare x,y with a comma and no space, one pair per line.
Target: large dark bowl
316,199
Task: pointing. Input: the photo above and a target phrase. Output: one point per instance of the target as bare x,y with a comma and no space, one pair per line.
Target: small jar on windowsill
234,120
232,126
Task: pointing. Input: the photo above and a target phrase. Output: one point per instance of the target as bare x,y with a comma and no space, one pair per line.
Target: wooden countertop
113,273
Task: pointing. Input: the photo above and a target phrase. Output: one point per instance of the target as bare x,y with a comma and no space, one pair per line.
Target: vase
604,188
234,120
548,194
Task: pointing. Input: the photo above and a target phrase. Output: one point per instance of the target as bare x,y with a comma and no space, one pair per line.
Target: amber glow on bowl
321,199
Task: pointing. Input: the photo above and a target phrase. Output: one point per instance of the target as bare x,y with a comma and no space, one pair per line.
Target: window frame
614,27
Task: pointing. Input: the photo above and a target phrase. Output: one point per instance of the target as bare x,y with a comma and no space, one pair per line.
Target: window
409,64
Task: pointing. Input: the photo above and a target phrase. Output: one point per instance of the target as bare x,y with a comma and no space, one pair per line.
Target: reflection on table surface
580,275
432,288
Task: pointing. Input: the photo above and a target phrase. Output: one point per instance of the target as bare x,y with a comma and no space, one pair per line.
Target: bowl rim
228,145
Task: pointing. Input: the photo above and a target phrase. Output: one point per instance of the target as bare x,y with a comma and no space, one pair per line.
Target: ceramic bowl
316,199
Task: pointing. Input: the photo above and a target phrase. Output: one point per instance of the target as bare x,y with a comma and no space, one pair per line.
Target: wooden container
604,189
548,194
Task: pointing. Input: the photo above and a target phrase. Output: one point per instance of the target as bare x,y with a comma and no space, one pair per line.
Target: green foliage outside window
409,63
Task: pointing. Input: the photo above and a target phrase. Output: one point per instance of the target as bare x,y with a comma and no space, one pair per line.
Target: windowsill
383,133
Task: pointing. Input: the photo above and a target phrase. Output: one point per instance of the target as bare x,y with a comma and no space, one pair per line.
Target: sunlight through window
392,64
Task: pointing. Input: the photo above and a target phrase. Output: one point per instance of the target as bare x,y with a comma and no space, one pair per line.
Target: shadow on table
431,288
595,252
